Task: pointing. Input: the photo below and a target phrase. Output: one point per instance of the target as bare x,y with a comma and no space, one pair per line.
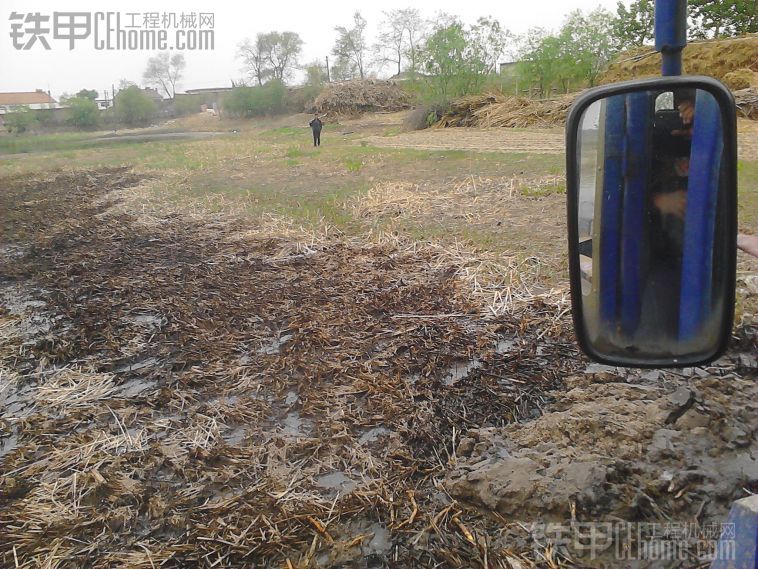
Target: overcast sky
61,69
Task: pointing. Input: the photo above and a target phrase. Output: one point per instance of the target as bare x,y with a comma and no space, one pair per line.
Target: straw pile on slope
352,98
715,58
497,110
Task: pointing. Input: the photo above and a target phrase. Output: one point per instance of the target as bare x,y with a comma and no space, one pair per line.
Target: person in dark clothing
316,125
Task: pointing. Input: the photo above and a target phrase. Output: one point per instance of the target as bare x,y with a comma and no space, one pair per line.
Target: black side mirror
652,220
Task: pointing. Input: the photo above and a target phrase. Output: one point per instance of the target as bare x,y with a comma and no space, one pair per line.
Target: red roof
27,98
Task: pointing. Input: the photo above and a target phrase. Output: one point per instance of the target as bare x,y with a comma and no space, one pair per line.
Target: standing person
316,125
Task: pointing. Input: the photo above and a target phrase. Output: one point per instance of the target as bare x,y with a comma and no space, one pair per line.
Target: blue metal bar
613,186
671,33
671,63
700,218
633,214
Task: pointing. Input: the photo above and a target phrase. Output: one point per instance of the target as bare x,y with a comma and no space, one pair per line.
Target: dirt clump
621,444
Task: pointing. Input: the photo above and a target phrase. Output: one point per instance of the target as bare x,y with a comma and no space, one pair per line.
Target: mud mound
497,110
353,98
624,445
715,58
747,103
741,79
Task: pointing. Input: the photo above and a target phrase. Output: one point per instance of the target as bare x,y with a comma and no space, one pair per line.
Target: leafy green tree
635,25
719,18
575,56
542,60
20,120
90,94
261,100
133,107
458,59
83,112
315,79
445,62
587,40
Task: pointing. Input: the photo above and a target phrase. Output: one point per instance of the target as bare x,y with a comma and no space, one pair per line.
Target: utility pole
328,77
113,90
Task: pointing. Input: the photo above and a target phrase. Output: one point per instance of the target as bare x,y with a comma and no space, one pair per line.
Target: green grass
24,143
353,164
747,176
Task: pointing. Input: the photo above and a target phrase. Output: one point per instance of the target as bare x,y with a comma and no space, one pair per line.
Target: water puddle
148,320
134,387
291,398
235,436
139,365
275,346
460,370
373,434
8,444
336,482
295,426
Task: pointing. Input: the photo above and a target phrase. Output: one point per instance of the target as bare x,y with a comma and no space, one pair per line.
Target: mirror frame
729,121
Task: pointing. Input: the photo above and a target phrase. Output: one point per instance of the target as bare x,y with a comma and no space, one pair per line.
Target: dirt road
539,141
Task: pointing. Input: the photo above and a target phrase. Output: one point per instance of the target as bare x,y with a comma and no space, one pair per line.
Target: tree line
443,57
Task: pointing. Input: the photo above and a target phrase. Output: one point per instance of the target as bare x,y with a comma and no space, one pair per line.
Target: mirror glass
653,239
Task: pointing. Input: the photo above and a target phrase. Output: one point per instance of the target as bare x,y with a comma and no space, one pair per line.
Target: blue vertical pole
610,223
700,217
671,33
637,169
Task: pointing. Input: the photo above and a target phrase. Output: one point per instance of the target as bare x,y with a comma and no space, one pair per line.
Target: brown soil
184,391
534,141
538,141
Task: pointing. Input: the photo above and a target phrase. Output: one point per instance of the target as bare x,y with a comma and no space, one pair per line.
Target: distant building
206,98
38,99
153,94
104,103
507,67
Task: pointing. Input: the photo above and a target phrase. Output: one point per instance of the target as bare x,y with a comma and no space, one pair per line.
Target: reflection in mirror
651,225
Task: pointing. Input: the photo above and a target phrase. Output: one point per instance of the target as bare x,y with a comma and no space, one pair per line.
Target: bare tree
350,47
391,46
416,29
283,51
164,72
271,56
255,58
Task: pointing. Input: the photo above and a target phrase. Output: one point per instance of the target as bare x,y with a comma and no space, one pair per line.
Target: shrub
20,120
83,112
187,104
267,99
133,107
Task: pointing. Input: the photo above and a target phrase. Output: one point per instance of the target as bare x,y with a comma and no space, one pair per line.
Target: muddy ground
181,391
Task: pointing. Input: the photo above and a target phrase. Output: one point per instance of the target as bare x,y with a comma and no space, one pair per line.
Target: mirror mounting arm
671,34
